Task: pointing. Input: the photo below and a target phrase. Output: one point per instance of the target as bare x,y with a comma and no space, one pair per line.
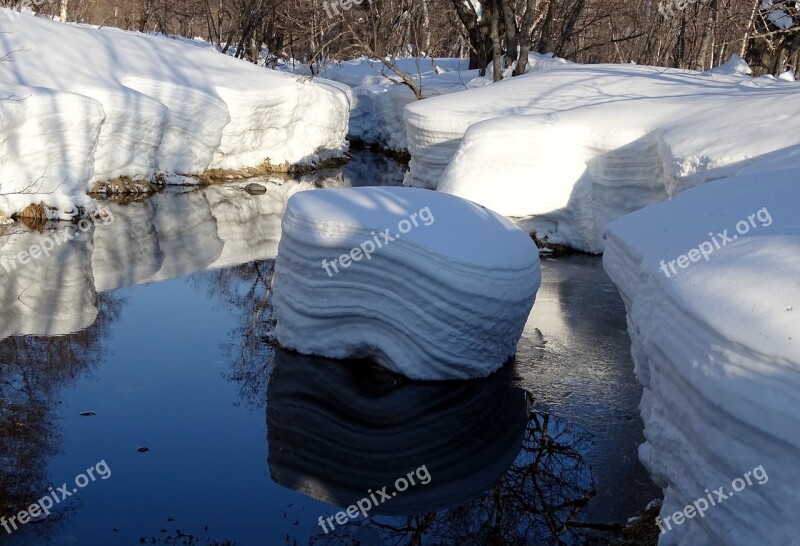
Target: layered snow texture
378,100
97,104
382,429
567,148
447,299
717,349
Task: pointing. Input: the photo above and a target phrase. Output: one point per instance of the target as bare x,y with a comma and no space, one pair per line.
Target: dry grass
34,216
123,185
642,532
5,221
215,176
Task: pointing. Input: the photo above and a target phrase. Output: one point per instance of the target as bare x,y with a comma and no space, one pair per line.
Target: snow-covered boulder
710,281
429,285
144,105
567,148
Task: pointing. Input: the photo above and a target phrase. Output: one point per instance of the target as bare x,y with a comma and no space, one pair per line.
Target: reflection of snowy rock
447,298
248,225
126,251
337,429
716,347
50,295
187,235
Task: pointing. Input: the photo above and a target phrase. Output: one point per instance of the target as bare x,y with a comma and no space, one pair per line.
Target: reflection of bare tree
32,372
545,488
245,288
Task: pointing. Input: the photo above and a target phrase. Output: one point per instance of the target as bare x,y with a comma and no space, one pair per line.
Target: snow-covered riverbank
567,148
145,105
716,347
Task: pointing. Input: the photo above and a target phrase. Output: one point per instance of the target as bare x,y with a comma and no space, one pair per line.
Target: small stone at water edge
255,189
143,449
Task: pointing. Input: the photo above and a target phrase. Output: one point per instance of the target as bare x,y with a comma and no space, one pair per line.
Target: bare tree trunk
707,42
64,6
529,22
512,32
750,23
479,35
497,69
426,28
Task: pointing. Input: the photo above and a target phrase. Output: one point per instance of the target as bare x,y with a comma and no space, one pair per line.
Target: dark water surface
157,326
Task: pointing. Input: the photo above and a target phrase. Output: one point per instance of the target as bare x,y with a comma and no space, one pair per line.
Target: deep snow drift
567,148
97,104
427,284
378,98
716,346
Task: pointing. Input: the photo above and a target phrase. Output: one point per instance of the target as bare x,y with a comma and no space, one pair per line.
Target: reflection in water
49,296
162,238
500,473
245,289
338,429
65,296
33,370
166,236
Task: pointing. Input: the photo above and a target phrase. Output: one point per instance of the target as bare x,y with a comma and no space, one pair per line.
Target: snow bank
377,113
567,148
427,284
144,105
717,350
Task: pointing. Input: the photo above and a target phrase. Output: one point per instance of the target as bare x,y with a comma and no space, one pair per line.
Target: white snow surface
100,103
377,113
566,148
447,299
717,349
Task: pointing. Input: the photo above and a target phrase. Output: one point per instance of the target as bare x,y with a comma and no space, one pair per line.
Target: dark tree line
692,34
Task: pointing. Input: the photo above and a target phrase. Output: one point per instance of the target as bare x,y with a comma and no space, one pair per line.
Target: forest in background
690,34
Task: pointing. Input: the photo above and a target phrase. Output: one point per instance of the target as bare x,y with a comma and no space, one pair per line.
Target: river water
141,350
